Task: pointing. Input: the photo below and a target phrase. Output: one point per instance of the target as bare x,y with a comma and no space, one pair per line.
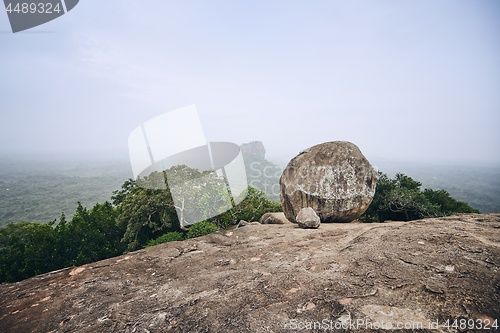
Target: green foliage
147,213
168,237
400,199
205,194
146,208
477,185
201,229
144,213
252,207
91,235
403,204
446,204
26,249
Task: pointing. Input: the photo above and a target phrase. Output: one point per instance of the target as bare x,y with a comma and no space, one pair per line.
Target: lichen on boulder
333,178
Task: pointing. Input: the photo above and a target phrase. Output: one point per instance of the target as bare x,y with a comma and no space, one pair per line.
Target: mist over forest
40,188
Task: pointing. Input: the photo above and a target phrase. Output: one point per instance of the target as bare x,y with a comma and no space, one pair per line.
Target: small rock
434,288
274,218
345,320
222,262
243,223
310,306
307,218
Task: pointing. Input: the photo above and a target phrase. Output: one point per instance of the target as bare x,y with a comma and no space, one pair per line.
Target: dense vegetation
38,190
479,186
141,216
28,249
400,199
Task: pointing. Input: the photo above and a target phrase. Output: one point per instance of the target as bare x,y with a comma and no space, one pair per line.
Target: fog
405,81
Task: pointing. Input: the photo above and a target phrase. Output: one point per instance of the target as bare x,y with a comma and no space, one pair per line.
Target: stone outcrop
273,278
333,178
308,219
254,149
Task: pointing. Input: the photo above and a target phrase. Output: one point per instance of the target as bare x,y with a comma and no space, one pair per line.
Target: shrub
446,204
251,208
201,229
168,237
401,199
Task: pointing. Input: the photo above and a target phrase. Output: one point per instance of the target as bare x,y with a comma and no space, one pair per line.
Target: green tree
398,199
144,213
147,209
401,199
446,204
91,235
26,249
403,204
197,195
403,181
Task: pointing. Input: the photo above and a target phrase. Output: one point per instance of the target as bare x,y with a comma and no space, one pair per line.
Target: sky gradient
404,80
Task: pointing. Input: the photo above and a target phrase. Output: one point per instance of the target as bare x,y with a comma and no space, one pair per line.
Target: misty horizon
95,157
97,176
412,81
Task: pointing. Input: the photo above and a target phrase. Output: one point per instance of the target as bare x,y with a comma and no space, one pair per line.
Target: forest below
39,189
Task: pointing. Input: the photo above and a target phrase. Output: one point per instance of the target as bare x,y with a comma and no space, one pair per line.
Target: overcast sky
404,80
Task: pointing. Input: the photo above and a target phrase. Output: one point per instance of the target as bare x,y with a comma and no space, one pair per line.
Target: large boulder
333,178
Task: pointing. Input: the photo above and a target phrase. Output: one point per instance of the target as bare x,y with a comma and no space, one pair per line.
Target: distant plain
39,189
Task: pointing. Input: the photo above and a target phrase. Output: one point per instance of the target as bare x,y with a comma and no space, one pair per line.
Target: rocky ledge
278,278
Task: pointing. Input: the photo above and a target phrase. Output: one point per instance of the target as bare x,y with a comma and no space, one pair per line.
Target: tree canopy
400,199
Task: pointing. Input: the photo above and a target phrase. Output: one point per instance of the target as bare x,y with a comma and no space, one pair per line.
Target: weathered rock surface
274,218
259,279
334,178
307,218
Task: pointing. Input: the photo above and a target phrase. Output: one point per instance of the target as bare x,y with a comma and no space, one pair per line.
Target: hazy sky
404,80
